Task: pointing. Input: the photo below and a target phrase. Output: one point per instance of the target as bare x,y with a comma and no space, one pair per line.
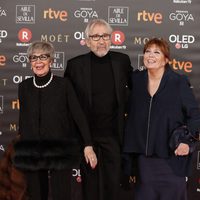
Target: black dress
46,124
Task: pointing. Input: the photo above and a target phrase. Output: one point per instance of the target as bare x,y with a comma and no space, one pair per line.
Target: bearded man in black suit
100,79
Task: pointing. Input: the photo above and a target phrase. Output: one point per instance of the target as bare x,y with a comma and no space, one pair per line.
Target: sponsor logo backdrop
62,23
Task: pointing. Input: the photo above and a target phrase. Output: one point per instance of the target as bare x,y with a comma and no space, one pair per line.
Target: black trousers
157,181
38,183
103,182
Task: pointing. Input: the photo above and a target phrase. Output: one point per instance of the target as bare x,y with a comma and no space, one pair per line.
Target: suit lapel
87,76
115,68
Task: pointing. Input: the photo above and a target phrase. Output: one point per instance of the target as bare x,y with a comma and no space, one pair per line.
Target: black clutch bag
183,135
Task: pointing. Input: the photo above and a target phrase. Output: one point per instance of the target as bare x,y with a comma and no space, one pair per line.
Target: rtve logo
2,60
186,66
53,14
150,17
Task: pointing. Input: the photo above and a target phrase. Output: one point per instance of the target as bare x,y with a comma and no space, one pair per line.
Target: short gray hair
95,22
47,47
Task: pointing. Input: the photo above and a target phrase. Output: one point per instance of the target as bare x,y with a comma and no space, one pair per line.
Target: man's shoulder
120,57
118,54
79,57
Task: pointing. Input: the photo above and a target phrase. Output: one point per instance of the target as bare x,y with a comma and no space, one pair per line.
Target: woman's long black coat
47,120
151,120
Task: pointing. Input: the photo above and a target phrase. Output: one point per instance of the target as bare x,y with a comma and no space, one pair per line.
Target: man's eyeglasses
97,37
42,57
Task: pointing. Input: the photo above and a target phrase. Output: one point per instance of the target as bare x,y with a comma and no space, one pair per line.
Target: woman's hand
182,150
90,156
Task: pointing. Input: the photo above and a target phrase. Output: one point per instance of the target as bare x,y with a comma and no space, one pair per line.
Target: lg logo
182,41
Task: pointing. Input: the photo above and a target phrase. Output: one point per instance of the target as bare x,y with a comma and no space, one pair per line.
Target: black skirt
157,181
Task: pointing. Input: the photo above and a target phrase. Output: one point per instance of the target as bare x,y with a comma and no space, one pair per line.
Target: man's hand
90,156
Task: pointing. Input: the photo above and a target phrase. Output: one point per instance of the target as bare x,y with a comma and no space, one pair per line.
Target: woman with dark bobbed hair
48,145
162,126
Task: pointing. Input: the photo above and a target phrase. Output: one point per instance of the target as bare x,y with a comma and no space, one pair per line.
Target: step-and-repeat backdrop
62,22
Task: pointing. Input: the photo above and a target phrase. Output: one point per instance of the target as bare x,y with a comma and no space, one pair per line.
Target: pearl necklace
45,85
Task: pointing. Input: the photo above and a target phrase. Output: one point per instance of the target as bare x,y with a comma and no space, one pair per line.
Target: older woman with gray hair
48,146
